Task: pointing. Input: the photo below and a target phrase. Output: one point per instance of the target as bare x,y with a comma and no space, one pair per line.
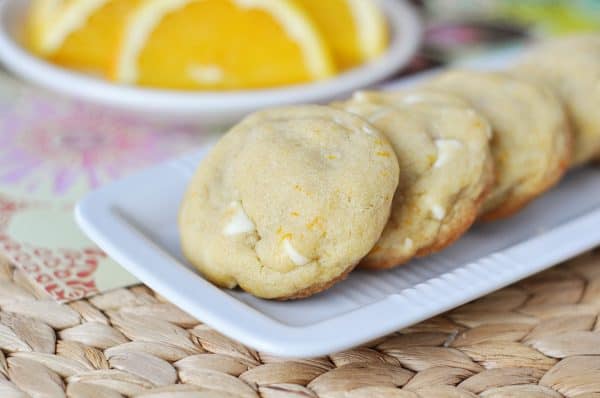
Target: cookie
532,142
289,201
442,146
571,67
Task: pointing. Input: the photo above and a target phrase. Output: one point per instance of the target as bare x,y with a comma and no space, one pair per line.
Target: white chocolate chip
412,99
408,244
369,130
293,254
361,96
446,150
438,212
339,121
239,223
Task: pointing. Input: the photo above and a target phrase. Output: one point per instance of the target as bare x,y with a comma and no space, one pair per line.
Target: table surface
537,338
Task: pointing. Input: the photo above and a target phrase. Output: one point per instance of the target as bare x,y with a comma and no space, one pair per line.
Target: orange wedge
41,12
221,44
356,30
80,34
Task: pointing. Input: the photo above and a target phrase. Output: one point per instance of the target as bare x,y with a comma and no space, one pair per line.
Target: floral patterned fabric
52,151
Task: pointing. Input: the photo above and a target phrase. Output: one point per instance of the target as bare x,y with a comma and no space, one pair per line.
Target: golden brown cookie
532,141
289,201
571,67
442,145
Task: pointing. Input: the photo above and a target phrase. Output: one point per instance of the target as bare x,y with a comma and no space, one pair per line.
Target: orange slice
40,13
356,30
221,44
80,34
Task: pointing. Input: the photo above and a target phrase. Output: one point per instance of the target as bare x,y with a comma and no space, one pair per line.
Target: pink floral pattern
66,149
52,151
65,274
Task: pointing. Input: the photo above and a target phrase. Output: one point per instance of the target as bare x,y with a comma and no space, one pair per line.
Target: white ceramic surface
134,221
203,108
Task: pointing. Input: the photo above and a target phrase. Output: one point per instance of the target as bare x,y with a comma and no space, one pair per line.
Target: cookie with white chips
532,139
442,145
289,201
571,67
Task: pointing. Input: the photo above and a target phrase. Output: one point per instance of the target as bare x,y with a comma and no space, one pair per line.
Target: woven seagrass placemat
537,338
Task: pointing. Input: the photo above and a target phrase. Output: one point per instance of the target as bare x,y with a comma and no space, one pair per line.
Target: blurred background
455,29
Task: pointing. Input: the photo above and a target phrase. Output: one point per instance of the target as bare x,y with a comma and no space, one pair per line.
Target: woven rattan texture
538,338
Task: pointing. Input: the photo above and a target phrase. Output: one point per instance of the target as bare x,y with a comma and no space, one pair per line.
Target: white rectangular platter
134,221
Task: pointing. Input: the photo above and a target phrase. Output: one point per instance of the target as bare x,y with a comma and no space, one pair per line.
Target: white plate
204,108
134,221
